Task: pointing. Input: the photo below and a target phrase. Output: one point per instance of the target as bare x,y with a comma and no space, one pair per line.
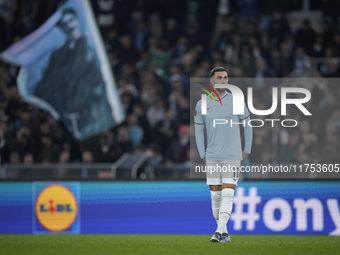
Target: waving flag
64,70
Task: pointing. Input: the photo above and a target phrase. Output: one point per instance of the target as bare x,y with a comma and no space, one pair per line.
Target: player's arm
248,134
248,138
199,131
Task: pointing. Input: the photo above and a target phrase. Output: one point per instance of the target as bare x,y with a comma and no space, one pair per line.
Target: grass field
166,244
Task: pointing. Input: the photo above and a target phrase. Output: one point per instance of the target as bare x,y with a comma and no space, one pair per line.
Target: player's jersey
223,140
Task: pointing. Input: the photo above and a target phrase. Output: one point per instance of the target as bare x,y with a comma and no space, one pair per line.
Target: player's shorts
219,172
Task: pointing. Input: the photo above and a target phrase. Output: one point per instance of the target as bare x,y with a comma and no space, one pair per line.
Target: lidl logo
56,208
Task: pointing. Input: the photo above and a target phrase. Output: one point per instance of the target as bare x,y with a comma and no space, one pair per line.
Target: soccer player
223,150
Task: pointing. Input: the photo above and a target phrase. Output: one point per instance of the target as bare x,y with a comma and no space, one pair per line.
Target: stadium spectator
166,133
28,159
278,29
247,62
14,158
262,71
318,46
286,61
124,143
183,145
302,64
65,157
23,143
233,49
155,113
135,131
107,150
28,11
331,69
249,12
87,157
7,19
4,148
49,150
336,44
331,147
305,37
171,32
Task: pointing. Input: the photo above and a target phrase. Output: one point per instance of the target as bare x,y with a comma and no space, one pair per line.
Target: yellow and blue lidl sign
56,207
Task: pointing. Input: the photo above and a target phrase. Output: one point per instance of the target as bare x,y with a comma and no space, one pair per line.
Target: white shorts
219,172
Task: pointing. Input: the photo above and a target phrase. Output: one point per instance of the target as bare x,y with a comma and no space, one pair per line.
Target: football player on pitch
223,155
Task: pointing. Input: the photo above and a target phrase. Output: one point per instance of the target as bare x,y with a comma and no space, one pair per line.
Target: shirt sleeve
246,113
199,130
248,130
198,118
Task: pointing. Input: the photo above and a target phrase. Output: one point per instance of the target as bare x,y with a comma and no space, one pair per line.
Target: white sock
225,210
216,200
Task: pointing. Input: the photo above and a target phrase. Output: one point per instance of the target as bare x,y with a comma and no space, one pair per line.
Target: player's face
219,78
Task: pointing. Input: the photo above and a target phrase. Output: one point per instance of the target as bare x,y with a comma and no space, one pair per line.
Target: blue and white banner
284,208
66,72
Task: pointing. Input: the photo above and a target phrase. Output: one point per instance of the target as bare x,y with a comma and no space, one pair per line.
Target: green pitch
166,244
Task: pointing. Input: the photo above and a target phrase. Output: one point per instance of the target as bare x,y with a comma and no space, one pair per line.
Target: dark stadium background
154,48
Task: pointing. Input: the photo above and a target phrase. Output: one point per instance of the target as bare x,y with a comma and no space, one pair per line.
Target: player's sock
216,199
225,209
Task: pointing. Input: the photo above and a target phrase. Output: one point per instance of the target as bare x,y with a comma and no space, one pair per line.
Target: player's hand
204,160
244,156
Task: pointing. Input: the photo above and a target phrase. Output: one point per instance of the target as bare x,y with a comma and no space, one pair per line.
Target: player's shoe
225,238
216,237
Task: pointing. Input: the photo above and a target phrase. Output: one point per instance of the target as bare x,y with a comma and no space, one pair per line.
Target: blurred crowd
154,48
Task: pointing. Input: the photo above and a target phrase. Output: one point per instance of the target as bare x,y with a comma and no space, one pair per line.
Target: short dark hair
217,69
64,12
69,10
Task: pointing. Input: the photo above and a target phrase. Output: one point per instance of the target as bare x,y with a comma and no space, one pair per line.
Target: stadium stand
154,48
